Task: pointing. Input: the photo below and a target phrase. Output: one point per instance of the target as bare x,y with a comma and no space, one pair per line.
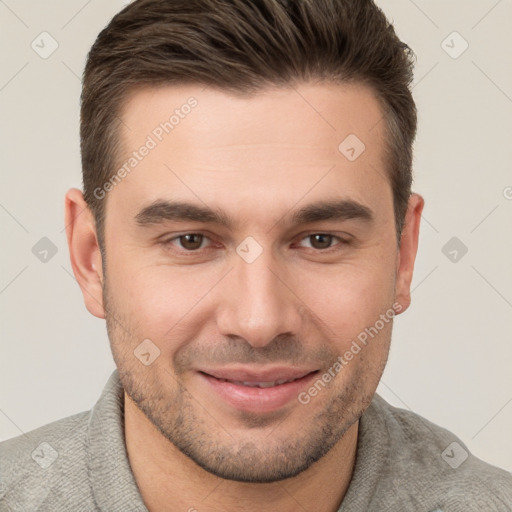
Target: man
248,232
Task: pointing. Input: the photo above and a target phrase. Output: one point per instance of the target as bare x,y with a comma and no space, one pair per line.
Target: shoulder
46,462
438,465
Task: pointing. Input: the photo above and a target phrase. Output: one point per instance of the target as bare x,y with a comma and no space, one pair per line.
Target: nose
258,303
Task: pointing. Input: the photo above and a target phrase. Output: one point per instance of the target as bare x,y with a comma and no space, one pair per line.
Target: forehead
303,114
275,147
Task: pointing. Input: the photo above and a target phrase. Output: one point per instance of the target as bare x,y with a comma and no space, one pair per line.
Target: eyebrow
178,211
344,209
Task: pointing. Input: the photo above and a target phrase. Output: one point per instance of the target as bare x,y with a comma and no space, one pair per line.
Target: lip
255,399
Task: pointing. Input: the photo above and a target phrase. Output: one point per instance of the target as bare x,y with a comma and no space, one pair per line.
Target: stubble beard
185,422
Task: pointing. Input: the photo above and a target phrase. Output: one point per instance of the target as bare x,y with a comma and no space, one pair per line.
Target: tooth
257,384
266,384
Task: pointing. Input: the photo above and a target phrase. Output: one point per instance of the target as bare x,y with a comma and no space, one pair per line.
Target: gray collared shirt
404,462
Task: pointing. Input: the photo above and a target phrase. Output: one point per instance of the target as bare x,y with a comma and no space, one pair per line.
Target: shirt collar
112,480
372,450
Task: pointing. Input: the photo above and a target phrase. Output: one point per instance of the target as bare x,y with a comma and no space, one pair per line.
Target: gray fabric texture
404,463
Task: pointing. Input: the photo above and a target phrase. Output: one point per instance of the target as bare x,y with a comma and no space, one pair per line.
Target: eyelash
341,242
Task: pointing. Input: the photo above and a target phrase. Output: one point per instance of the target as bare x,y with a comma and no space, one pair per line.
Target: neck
169,480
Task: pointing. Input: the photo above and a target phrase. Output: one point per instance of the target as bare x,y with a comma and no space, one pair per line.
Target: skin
300,303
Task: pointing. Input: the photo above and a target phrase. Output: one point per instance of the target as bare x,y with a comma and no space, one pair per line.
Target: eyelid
168,241
341,240
303,236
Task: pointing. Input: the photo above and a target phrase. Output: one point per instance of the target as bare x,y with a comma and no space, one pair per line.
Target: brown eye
320,241
191,241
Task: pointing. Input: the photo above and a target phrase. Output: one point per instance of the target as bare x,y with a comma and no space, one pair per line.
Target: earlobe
84,251
408,250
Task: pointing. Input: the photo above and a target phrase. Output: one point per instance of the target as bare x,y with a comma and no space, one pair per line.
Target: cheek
158,301
350,297
163,302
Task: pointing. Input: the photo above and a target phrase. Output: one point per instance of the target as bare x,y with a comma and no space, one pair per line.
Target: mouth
259,384
257,392
270,384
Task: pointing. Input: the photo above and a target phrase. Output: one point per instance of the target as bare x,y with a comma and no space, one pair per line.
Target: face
244,247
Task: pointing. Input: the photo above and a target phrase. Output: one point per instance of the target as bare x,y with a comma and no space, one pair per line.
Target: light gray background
451,354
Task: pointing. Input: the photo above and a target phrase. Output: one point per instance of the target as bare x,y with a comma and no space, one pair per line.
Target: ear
84,251
408,249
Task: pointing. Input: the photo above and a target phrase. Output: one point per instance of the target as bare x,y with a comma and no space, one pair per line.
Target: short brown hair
242,46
